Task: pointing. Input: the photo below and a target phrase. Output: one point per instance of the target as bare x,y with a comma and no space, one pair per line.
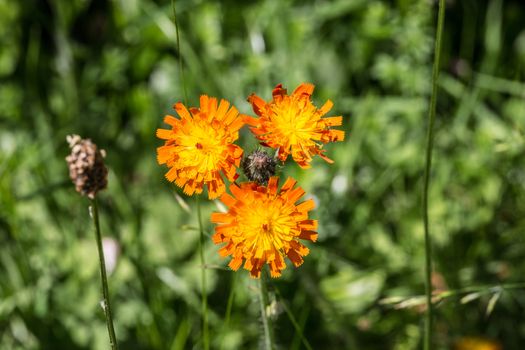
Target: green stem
203,279
267,321
181,71
105,290
429,145
205,332
292,318
229,306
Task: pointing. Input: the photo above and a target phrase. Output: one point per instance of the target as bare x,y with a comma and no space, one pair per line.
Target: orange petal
333,121
325,158
308,224
295,258
299,248
278,90
164,134
304,88
308,235
182,111
171,120
289,184
236,124
306,205
223,108
204,104
171,174
250,120
231,115
228,200
258,104
272,185
212,108
326,107
235,263
295,194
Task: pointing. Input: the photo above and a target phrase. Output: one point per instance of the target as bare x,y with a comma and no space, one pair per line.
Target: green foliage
108,70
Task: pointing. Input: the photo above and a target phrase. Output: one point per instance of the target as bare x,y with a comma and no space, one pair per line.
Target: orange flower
200,145
292,124
263,225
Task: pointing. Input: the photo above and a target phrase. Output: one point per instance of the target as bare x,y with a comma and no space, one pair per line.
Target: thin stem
229,306
267,321
205,332
203,279
292,318
181,71
105,290
429,145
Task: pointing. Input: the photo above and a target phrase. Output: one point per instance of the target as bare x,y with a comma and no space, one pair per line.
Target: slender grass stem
269,343
430,140
205,332
105,290
181,70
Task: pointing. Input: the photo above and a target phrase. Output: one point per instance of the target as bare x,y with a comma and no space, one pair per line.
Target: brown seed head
86,166
258,166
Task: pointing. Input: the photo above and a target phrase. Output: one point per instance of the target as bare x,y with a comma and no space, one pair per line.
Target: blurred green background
108,70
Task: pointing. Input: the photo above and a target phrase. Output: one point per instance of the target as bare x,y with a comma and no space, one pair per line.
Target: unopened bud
259,166
86,166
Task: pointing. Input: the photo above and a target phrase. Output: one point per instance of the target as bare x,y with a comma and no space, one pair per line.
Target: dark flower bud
86,166
258,166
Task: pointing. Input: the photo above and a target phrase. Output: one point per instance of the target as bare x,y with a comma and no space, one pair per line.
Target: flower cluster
263,224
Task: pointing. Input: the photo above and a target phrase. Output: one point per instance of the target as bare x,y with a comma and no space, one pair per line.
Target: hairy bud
86,166
258,166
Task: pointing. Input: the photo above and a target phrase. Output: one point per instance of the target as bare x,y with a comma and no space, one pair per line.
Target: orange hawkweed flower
292,124
199,146
263,225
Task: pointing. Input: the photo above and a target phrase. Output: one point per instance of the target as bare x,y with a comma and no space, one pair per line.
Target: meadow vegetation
109,71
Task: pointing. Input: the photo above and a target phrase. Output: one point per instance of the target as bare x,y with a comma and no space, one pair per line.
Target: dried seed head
258,166
86,166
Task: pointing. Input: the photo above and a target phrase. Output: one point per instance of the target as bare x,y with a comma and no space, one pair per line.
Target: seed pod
258,166
86,166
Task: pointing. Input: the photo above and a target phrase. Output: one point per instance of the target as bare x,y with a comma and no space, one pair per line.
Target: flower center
295,120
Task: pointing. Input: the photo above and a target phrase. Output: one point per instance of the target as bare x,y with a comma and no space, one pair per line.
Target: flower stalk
106,305
269,342
428,163
205,331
